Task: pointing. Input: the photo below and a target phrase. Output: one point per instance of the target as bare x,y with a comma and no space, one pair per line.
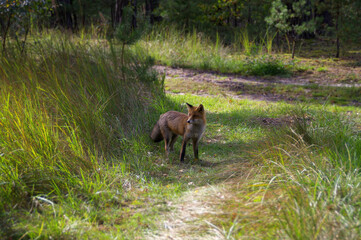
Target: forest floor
221,202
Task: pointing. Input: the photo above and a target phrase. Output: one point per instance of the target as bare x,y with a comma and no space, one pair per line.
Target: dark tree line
74,14
337,19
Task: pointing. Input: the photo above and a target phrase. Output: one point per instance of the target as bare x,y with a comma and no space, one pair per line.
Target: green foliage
181,13
279,16
344,20
351,29
267,66
126,32
16,18
291,19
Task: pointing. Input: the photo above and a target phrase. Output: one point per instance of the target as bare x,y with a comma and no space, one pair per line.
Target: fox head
196,115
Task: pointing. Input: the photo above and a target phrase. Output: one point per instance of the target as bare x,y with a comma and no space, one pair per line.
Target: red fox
172,123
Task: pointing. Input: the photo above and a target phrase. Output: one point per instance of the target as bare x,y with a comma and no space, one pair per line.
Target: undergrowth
309,182
72,139
321,175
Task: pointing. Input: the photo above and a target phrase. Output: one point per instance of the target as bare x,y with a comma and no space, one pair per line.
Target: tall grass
173,47
65,113
247,44
315,165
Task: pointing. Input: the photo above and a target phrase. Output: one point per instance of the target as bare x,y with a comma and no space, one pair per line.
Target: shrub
267,65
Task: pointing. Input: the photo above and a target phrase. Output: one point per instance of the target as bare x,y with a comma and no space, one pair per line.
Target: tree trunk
82,13
249,17
235,22
54,5
150,5
118,11
134,18
293,47
25,38
337,32
122,60
149,11
5,33
65,14
337,47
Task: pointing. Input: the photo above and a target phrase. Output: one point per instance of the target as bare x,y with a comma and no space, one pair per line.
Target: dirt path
188,219
220,78
191,215
205,83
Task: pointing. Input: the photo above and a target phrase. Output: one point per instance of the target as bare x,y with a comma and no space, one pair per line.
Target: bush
267,65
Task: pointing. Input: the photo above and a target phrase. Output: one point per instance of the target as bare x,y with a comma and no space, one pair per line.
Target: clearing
224,199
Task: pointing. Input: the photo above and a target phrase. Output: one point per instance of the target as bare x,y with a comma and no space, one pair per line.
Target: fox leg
171,144
195,148
167,138
183,150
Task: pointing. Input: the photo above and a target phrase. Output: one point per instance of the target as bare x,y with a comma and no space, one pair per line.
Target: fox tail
156,134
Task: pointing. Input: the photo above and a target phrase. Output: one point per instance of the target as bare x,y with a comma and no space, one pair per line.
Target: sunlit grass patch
312,166
73,158
175,48
306,169
77,162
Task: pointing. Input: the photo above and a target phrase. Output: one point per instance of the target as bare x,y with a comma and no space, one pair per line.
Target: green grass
318,171
172,47
77,162
74,141
287,179
322,69
303,177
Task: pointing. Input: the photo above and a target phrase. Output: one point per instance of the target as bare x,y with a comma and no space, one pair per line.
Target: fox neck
195,130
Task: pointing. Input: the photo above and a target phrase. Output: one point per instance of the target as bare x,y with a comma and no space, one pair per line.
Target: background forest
82,84
336,20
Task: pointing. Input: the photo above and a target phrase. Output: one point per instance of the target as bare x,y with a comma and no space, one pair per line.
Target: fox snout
189,121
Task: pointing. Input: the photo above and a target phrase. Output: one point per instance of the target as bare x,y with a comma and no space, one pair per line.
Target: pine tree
292,18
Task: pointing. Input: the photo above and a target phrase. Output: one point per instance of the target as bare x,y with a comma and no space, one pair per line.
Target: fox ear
189,106
200,108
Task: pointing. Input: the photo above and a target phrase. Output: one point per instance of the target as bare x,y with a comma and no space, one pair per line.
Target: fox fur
172,124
